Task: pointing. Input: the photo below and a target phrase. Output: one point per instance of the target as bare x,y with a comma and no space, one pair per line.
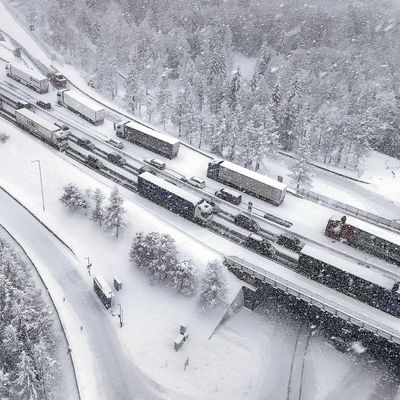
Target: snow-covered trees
155,254
113,215
73,199
307,65
213,286
300,166
27,366
98,210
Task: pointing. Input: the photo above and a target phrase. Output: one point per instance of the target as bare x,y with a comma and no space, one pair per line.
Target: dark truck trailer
247,181
148,138
174,198
358,281
365,236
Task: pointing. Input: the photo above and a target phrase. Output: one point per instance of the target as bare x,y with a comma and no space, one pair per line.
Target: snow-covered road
112,375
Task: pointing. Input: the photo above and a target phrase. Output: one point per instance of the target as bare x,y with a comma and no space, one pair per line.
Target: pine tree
113,218
73,199
163,100
134,93
300,166
234,89
183,277
98,211
213,286
25,378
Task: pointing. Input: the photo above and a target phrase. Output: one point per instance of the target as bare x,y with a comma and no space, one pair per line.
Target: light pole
41,181
120,316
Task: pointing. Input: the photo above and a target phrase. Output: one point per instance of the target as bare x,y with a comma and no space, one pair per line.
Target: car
155,162
260,245
291,242
116,143
194,181
94,162
247,222
341,344
43,104
85,143
116,158
229,195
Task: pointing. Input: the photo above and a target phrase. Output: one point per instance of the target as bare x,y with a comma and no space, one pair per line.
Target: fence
346,208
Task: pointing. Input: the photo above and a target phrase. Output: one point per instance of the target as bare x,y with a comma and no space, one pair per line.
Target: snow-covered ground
232,364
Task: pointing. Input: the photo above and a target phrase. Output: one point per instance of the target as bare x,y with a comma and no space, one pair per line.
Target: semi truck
47,131
58,80
81,105
247,181
28,77
174,198
148,138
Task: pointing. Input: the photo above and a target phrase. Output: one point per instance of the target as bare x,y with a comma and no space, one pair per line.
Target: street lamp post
120,316
41,181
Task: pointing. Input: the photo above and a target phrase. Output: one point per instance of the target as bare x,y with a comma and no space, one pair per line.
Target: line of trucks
225,172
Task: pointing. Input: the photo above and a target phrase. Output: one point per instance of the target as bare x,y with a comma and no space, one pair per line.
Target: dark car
42,104
85,143
247,222
291,242
94,162
117,159
341,344
229,195
260,245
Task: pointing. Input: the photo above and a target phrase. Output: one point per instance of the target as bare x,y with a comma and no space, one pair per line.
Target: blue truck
174,198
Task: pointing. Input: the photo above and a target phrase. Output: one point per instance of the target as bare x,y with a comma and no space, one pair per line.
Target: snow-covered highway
103,370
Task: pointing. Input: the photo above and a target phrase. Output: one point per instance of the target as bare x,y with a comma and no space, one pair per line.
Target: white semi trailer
80,104
28,77
247,181
47,131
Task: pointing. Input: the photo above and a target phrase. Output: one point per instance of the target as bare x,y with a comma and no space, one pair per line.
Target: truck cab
204,211
58,80
213,169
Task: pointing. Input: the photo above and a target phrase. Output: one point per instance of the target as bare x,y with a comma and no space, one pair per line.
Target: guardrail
313,299
356,212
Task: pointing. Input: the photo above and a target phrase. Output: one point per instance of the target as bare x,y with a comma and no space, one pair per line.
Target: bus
103,291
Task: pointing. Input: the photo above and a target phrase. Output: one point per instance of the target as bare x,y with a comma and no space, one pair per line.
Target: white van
116,143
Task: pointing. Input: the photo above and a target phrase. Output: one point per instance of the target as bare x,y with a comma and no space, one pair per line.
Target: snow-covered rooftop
254,175
183,194
38,119
350,267
83,99
151,132
374,230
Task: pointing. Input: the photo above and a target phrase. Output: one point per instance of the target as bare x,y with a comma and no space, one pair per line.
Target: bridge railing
346,208
316,300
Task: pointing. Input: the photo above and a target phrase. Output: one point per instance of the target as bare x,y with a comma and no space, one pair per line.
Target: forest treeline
325,77
28,369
